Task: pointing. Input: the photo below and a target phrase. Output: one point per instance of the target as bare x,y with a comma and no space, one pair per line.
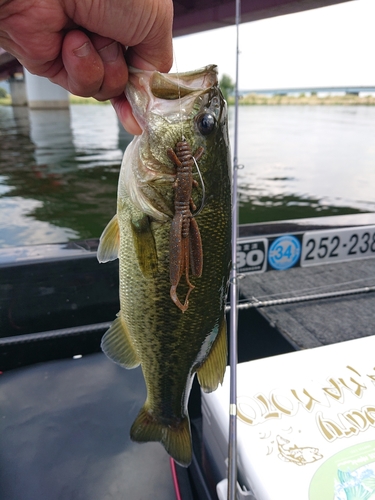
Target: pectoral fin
109,241
211,373
145,247
117,344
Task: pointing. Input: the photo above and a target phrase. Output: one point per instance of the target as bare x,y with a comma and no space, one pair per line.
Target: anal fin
176,437
211,373
117,344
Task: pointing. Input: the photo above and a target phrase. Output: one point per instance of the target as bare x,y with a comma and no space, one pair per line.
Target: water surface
306,161
59,169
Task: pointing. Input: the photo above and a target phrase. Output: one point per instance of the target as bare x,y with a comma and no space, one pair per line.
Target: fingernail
110,52
83,50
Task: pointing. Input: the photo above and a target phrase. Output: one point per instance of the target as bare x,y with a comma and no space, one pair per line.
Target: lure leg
172,156
198,154
179,264
178,261
195,249
176,250
192,205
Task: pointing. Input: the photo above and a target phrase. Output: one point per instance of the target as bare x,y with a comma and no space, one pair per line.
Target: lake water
59,169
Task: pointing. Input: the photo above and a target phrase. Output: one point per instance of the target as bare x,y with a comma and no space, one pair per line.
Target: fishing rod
232,439
257,304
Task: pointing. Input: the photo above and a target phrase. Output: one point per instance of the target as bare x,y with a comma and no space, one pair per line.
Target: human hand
79,44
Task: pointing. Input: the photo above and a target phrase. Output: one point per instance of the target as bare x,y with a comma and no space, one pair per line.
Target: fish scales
170,345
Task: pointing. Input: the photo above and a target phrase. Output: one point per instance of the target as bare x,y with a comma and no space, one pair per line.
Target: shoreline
256,100
302,100
7,101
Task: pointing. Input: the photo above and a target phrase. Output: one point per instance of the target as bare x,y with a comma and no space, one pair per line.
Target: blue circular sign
284,252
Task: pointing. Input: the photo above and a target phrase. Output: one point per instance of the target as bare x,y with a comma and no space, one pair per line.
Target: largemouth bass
159,271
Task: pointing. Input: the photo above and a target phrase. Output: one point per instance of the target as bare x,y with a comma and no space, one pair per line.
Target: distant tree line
3,93
226,85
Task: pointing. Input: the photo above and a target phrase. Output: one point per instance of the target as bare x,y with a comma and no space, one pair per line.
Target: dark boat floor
317,322
65,434
64,424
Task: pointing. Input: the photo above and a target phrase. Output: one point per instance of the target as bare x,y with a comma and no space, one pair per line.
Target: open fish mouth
170,94
178,85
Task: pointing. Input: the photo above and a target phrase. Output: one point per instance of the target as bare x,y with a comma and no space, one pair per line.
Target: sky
330,46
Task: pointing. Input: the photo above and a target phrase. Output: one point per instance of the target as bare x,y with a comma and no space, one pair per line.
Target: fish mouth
168,108
172,86
152,90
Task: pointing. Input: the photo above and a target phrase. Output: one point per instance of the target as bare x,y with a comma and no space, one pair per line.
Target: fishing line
203,190
179,95
183,139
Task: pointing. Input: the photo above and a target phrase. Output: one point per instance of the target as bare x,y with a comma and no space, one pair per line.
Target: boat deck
65,434
64,423
317,322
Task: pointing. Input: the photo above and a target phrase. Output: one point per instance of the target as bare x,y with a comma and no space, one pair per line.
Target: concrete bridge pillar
18,91
43,94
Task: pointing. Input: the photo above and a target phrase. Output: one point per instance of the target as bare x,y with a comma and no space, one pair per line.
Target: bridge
191,16
8,65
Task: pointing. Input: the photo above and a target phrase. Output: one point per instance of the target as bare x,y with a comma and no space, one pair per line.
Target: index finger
155,51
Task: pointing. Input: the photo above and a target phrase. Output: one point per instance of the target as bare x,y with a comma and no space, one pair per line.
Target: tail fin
176,439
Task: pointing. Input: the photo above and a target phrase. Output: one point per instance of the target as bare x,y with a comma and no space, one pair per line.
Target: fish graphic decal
297,455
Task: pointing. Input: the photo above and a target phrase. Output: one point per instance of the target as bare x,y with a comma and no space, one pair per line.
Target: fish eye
205,123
